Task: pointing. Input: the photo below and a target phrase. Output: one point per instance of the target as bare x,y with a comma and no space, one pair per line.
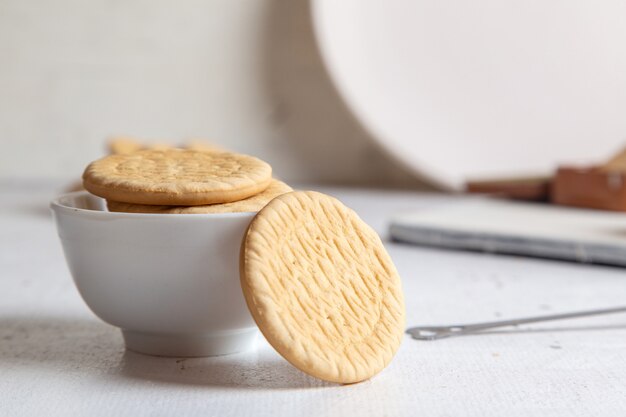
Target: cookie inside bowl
250,204
184,268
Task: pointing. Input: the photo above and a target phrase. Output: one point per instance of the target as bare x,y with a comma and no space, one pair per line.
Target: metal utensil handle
439,332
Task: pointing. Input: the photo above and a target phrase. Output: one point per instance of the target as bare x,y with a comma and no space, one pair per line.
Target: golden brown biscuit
123,144
177,177
250,204
322,288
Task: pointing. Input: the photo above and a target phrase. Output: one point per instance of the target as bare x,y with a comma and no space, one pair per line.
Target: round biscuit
123,144
250,204
322,288
177,177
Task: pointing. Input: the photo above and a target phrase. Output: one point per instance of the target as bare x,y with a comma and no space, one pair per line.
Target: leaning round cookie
250,204
322,288
177,177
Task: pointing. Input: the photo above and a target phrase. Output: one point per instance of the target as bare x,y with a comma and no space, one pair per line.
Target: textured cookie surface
177,177
322,288
250,204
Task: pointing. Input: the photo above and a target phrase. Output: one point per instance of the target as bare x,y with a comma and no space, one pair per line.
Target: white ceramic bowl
169,281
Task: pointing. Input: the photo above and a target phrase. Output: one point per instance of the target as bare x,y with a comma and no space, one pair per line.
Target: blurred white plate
458,89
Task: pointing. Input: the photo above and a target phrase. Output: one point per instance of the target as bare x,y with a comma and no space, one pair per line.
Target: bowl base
190,345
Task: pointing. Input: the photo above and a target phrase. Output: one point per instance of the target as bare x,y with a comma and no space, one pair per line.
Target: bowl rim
57,206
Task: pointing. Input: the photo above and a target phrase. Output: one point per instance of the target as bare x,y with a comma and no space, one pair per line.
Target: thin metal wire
440,332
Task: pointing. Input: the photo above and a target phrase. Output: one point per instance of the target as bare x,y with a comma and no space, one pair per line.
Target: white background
245,74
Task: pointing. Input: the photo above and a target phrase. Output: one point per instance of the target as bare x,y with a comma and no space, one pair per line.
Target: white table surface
57,358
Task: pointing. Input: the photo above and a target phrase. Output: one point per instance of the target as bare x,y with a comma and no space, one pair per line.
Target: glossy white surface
458,89
171,282
58,359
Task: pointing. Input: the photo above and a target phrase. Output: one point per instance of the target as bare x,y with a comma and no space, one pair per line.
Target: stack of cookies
316,278
182,181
